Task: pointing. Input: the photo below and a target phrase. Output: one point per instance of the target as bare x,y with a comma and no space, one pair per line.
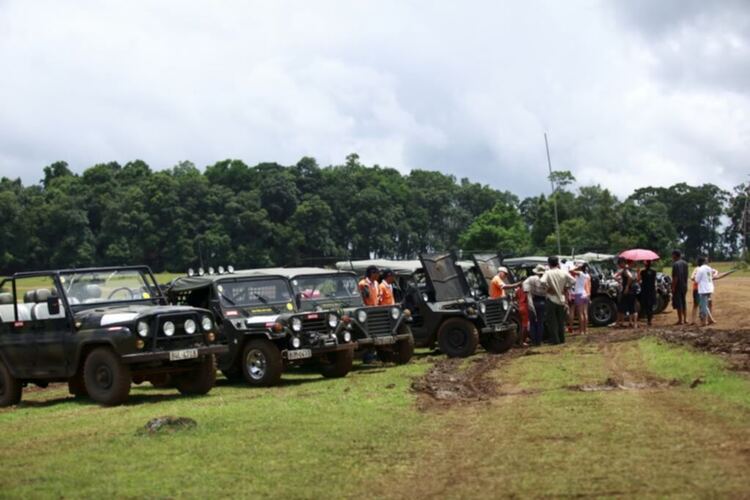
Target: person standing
679,286
647,277
704,277
498,285
630,289
536,293
582,296
558,282
368,286
387,297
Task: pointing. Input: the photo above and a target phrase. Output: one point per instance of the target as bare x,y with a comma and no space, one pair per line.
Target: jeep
436,293
266,333
99,330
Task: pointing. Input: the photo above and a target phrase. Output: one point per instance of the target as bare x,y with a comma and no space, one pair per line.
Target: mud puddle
734,345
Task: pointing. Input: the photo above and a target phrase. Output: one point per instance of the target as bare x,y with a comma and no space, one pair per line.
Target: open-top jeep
383,328
100,329
265,332
443,310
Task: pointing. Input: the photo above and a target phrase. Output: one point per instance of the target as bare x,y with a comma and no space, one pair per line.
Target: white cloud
630,96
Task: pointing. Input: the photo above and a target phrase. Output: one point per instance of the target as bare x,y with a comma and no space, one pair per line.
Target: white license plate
299,354
183,354
384,340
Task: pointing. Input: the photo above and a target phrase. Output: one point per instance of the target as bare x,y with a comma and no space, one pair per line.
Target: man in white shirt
704,278
558,282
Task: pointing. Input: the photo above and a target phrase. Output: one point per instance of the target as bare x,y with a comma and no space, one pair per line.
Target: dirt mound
447,383
732,344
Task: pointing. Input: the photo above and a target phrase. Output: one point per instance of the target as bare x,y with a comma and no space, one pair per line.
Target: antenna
745,223
554,198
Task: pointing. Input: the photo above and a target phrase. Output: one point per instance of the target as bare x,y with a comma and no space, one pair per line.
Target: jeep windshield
254,293
327,290
109,286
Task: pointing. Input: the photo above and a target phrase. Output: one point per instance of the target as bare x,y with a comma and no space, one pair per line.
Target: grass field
558,426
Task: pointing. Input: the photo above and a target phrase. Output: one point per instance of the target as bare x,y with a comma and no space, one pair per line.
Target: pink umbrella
639,254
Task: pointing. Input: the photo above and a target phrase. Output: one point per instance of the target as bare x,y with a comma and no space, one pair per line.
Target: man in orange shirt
498,285
368,286
386,288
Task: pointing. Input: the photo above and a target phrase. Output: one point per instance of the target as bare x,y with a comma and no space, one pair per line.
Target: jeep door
16,344
50,331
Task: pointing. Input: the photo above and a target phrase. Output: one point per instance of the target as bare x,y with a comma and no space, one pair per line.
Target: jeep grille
180,339
495,314
319,324
379,322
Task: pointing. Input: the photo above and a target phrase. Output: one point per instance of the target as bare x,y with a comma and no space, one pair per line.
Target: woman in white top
582,297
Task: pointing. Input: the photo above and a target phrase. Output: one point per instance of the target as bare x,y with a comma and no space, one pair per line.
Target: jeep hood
112,315
445,277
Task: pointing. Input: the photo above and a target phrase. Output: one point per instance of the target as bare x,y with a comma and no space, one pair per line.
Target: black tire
602,311
261,363
198,381
76,385
458,338
339,364
10,387
499,342
106,378
403,351
662,301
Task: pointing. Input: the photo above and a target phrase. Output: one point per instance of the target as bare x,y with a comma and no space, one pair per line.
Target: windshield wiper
263,299
231,303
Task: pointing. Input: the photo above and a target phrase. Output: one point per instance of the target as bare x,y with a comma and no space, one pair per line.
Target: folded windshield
325,287
121,285
254,292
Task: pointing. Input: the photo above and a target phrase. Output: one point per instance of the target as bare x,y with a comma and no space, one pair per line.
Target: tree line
270,215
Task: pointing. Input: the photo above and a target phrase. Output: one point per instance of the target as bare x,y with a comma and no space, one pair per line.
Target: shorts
581,299
678,299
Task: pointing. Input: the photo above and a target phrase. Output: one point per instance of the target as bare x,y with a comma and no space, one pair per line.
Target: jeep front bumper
382,340
145,357
500,328
296,354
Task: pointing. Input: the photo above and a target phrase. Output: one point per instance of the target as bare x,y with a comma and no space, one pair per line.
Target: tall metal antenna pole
554,198
746,220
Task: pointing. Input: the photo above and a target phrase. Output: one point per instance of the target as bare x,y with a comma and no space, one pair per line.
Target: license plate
384,340
299,354
183,354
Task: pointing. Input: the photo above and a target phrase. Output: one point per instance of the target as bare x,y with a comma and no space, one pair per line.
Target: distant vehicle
99,330
266,333
382,328
444,312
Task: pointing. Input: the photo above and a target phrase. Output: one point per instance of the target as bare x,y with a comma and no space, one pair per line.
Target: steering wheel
122,288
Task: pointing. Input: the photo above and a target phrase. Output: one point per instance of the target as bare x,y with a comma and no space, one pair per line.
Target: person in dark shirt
648,291
679,286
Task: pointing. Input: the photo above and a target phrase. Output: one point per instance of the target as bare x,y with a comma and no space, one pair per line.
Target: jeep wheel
498,342
458,338
662,301
10,387
403,351
198,381
339,364
76,386
602,311
261,363
106,378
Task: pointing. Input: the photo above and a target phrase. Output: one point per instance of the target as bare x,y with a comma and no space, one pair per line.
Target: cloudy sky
631,92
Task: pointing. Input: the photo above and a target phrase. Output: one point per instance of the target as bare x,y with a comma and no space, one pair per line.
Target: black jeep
100,329
435,291
261,323
383,328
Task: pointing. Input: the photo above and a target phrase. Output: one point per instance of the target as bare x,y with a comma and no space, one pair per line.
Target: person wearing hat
498,285
536,293
387,298
368,286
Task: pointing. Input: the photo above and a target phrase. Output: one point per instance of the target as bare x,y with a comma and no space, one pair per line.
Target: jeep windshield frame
346,294
252,290
111,281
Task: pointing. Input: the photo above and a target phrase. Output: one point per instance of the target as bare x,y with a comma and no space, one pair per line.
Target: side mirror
53,305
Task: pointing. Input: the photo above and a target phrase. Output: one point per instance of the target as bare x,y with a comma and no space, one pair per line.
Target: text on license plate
384,340
183,354
299,354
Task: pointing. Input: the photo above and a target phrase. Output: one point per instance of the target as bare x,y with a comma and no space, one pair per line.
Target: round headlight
142,329
347,337
206,323
482,307
168,328
190,326
333,320
425,297
296,324
361,315
395,313
296,342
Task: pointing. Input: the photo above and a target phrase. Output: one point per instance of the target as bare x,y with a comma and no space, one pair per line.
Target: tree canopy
271,214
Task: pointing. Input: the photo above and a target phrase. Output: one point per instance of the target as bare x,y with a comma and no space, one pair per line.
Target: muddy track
734,345
449,382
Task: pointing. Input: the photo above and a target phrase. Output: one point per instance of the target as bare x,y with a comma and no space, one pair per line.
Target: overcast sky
631,93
